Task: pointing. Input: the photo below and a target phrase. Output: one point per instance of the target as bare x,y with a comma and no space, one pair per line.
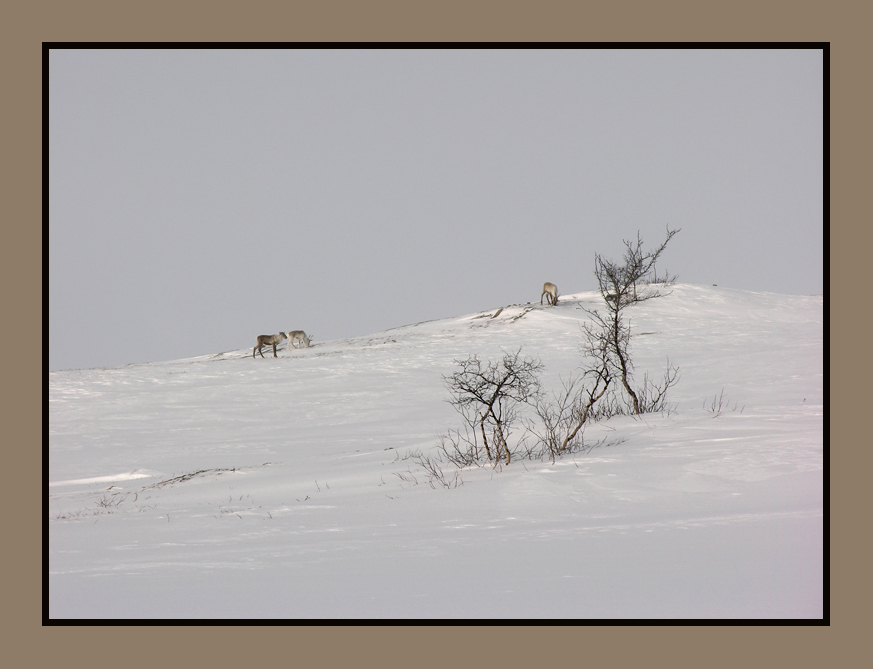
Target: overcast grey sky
198,199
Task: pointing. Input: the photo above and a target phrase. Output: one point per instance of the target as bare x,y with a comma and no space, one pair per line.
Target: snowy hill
222,486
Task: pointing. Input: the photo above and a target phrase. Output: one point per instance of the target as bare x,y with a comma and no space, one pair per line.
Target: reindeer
298,336
550,291
266,340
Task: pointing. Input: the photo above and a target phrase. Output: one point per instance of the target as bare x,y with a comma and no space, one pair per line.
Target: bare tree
487,395
609,334
618,281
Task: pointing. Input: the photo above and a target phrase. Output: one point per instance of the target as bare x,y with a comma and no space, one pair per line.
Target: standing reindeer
298,336
550,291
266,340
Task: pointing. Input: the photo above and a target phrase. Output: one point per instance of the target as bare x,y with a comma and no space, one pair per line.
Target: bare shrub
487,395
652,396
460,447
719,404
563,415
432,466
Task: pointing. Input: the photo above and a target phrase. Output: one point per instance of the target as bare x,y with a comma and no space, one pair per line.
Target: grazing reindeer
266,340
550,291
297,336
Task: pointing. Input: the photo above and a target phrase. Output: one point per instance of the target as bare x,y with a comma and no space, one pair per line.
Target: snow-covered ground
222,486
